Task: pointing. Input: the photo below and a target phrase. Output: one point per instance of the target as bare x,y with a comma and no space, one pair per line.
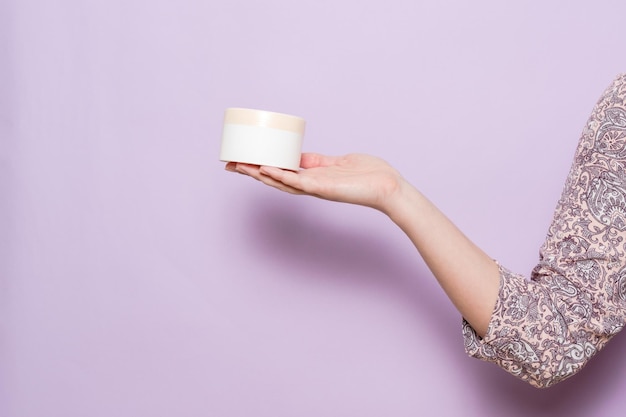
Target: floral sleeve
545,329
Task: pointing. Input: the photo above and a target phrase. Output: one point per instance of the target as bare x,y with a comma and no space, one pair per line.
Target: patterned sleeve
545,329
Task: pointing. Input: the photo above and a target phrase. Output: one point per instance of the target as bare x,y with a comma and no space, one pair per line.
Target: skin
469,277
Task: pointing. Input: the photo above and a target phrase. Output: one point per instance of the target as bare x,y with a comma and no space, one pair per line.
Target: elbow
569,359
540,363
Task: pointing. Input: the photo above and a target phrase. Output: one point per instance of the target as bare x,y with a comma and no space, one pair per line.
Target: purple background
140,279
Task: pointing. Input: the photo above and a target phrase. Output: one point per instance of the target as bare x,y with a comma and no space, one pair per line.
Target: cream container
261,137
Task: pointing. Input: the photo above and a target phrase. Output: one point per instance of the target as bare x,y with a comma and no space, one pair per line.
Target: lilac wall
140,279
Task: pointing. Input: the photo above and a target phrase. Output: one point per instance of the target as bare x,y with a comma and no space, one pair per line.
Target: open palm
355,178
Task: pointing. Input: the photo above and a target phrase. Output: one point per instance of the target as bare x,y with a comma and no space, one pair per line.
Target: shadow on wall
358,257
350,257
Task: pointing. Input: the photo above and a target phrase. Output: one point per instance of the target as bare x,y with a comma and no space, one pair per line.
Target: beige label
264,118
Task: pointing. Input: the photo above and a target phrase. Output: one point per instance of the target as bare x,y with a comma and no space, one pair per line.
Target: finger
230,166
273,172
267,180
254,171
289,178
247,169
302,184
312,160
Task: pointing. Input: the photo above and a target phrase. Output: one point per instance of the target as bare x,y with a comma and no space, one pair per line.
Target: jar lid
263,118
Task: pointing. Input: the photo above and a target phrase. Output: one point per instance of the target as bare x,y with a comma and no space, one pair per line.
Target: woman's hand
355,178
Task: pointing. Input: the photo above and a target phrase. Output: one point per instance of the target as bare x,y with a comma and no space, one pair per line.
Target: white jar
261,137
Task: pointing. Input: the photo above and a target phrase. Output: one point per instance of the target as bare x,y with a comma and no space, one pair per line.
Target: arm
468,276
542,330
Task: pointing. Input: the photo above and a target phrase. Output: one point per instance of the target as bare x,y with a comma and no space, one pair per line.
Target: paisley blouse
545,329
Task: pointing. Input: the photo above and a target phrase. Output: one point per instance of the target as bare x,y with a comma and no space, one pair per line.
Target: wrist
401,200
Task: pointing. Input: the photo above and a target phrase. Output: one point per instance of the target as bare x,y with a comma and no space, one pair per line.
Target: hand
355,178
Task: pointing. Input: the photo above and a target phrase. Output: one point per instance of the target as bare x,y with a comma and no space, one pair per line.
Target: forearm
469,277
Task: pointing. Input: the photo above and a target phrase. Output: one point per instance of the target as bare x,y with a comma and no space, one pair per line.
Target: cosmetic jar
261,137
